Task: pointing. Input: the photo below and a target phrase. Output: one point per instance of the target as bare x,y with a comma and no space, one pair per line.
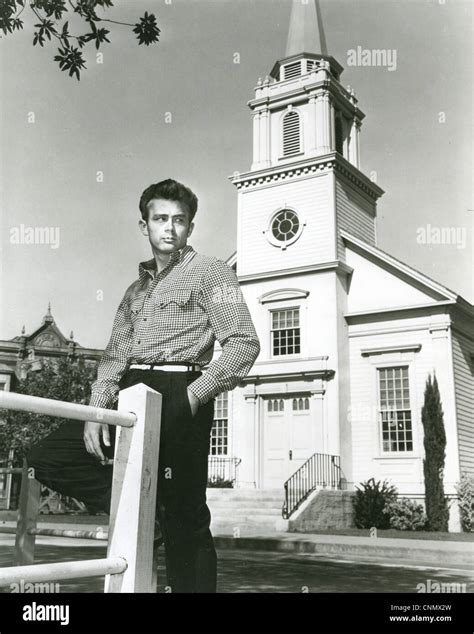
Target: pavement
399,551
257,572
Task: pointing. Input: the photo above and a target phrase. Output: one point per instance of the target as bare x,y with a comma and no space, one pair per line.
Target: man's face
168,225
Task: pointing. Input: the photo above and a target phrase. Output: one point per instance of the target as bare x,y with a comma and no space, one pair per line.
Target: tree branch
21,11
114,22
39,16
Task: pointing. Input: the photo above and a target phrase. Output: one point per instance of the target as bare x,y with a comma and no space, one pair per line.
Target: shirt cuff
205,387
101,400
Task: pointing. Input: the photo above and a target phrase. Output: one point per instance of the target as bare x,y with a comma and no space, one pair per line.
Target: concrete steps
246,512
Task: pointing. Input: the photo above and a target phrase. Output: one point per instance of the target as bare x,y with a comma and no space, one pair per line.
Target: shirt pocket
136,308
174,308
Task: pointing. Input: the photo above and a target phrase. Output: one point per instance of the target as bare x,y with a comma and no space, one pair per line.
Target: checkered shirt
177,315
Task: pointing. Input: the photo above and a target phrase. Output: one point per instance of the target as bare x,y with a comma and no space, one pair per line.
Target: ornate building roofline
308,167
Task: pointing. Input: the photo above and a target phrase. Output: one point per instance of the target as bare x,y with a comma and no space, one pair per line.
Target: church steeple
306,44
302,111
304,185
306,33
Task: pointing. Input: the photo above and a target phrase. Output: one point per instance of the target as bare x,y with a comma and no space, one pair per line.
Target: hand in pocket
193,402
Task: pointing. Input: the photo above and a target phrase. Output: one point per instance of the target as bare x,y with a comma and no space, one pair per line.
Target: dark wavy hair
169,190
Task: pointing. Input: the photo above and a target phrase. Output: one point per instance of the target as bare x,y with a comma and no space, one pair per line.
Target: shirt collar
149,266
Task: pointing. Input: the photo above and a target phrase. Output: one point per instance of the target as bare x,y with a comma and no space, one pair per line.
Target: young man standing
163,334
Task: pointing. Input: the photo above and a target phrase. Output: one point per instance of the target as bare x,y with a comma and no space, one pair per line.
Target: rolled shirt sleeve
233,328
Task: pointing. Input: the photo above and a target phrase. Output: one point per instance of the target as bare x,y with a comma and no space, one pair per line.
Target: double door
288,437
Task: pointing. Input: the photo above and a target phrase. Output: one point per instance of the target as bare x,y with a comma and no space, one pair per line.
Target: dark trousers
62,463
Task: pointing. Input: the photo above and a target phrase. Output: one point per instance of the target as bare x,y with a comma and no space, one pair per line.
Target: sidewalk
394,551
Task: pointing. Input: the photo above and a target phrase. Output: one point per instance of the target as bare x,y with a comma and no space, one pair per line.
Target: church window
285,225
220,429
285,331
394,409
275,405
291,134
300,404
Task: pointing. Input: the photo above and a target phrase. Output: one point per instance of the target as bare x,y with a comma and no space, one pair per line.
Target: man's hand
193,402
92,433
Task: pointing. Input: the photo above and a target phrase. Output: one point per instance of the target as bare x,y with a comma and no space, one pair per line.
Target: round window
284,227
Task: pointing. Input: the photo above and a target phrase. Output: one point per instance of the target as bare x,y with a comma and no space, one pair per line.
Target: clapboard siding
355,214
310,198
368,461
464,391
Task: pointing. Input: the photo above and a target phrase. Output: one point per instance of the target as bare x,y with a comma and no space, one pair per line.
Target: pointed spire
306,33
48,318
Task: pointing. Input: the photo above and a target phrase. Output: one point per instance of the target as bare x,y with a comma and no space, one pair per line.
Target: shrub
218,482
406,515
59,379
370,501
465,490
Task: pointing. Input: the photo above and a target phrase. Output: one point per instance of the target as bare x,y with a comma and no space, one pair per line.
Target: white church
349,334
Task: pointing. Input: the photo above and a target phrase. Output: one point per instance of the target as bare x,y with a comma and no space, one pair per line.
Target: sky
57,134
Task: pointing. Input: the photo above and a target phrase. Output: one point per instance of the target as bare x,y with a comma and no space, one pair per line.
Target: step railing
128,566
320,470
222,470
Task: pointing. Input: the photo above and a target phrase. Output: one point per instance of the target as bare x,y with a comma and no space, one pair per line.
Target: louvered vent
291,134
293,70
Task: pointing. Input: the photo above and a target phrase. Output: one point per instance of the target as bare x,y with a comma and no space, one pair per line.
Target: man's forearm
104,392
226,372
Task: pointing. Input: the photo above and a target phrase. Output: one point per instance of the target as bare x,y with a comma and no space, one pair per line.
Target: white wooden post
132,514
30,492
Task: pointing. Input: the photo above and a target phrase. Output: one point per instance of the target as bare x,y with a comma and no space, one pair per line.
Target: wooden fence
128,566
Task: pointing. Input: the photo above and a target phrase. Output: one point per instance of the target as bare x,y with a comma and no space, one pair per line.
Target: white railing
129,563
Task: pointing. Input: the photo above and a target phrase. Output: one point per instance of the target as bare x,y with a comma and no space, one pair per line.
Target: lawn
394,534
102,520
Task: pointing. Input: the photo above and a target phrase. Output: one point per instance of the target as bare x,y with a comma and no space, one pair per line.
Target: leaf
17,24
101,37
53,7
70,59
38,39
147,30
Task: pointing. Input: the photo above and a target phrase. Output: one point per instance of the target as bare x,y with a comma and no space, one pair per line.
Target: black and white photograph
236,316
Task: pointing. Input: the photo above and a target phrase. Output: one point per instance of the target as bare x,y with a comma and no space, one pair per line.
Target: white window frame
294,355
228,449
414,421
269,233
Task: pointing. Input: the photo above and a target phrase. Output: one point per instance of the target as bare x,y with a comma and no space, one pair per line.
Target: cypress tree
435,452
